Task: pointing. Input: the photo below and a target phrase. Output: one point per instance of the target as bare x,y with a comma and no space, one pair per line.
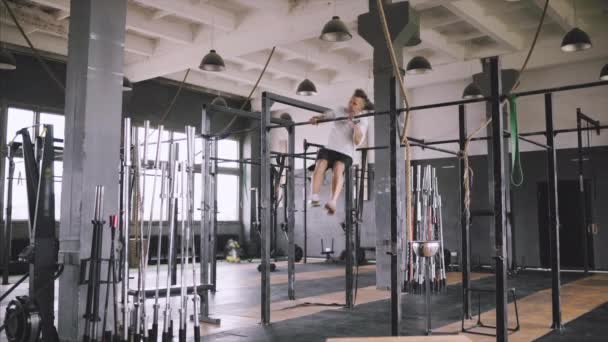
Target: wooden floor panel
578,298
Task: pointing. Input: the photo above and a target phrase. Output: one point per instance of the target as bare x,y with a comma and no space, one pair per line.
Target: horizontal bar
508,135
421,145
174,291
211,109
294,103
308,144
560,89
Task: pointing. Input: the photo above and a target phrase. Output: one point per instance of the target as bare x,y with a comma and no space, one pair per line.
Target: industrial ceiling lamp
306,88
472,91
604,73
126,84
418,65
576,39
212,61
219,101
335,31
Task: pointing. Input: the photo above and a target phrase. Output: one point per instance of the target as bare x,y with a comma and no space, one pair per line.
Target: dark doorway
571,232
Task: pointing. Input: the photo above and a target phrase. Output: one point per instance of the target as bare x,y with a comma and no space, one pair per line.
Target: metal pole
126,179
305,175
348,211
172,204
8,223
5,237
213,236
290,206
499,199
464,220
581,189
393,147
553,215
265,210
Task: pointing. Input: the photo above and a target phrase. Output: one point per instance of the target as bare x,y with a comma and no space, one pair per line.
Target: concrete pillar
404,27
92,143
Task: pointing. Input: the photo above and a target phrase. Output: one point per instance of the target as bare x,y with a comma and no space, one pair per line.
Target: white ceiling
166,37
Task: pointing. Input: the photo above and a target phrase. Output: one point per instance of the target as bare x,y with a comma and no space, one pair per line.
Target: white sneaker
314,200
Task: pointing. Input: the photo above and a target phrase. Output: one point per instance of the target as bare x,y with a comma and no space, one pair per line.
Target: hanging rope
517,173
468,172
404,139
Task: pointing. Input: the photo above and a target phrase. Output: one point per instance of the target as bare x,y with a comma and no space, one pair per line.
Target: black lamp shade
472,91
306,88
604,73
576,40
7,60
212,62
126,84
335,31
219,101
418,65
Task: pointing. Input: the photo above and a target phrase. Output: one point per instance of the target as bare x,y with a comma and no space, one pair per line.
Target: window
228,180
18,119
228,197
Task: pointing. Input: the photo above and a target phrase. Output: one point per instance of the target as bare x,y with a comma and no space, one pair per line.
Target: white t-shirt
341,136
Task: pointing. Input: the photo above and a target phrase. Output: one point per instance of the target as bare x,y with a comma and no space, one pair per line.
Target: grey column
93,107
404,27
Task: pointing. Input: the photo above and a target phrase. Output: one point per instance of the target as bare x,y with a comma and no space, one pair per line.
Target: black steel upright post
553,214
213,233
581,189
305,176
5,242
393,147
350,250
464,220
290,219
499,199
265,209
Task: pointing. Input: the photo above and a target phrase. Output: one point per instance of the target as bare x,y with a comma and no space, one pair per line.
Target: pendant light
126,84
212,60
604,73
472,91
335,30
306,87
219,101
7,60
576,39
418,65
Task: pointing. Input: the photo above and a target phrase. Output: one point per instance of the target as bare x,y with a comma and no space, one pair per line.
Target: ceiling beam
138,21
35,20
253,34
422,5
196,12
560,11
440,42
474,13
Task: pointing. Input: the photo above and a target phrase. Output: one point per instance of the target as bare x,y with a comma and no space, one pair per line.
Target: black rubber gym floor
372,319
592,326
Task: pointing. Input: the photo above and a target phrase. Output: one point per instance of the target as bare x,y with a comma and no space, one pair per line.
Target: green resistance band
517,173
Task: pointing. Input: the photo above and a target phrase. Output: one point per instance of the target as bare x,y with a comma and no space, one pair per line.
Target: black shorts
333,156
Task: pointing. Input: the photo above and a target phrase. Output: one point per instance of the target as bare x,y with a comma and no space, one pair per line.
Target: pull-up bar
319,109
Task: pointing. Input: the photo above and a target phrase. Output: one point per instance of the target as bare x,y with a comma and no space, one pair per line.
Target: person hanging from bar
344,137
